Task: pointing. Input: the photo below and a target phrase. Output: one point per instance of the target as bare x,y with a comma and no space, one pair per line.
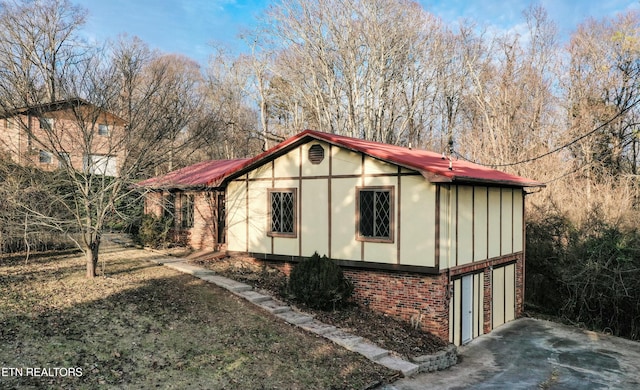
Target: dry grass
387,332
146,326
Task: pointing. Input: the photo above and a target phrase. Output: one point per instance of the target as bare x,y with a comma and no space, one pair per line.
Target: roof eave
433,177
430,176
508,183
186,187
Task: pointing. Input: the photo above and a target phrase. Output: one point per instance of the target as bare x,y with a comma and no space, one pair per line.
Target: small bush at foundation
154,231
319,283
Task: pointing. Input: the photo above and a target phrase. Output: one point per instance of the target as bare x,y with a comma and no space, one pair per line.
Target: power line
557,149
571,172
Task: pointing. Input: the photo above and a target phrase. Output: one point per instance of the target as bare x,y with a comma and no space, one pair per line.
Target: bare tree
232,122
603,93
352,67
39,45
510,112
106,116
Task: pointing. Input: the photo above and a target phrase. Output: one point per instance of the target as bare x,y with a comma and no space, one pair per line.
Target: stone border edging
438,361
426,363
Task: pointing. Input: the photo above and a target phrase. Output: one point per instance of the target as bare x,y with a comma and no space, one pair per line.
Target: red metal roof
204,174
431,165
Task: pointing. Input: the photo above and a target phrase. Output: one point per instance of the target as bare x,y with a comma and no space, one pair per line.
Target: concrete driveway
536,354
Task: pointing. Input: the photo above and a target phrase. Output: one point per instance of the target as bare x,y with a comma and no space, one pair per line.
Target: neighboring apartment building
69,132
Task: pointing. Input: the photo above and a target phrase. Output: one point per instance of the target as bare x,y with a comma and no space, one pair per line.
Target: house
71,132
194,198
422,237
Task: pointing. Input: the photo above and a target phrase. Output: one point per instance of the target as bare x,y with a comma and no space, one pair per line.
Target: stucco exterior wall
478,223
417,221
475,223
237,226
326,208
441,233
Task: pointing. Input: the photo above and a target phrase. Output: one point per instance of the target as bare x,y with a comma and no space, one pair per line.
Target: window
46,123
375,214
169,205
282,212
46,157
101,165
103,129
187,211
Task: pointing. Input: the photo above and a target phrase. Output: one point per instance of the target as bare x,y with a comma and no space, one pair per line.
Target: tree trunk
92,258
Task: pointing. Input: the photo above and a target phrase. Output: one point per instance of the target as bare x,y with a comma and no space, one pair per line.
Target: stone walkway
303,320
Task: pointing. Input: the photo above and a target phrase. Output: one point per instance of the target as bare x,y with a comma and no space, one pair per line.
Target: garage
503,295
466,308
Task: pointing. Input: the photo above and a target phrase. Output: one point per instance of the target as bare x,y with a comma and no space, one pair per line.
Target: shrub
319,283
154,231
587,273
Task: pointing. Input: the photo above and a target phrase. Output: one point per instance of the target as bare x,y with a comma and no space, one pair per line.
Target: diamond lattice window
283,212
375,214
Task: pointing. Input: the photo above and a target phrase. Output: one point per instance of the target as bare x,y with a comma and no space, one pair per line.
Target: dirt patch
385,331
147,326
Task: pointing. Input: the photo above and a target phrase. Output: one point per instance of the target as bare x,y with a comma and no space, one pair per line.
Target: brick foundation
407,296
488,288
420,297
520,282
403,295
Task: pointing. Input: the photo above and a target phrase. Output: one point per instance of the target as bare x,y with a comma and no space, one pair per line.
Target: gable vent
316,154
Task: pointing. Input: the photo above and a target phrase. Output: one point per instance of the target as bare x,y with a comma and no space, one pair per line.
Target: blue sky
189,26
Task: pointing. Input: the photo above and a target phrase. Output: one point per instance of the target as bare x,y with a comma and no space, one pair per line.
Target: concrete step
189,269
273,306
395,363
254,296
317,327
369,350
229,284
343,338
294,317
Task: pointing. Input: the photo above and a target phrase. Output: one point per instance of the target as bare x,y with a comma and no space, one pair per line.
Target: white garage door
503,295
466,308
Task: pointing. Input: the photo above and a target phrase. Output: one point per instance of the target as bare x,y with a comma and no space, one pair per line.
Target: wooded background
564,112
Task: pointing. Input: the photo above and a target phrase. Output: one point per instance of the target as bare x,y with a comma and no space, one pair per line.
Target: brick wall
487,319
203,234
24,150
399,294
153,203
405,295
284,266
520,284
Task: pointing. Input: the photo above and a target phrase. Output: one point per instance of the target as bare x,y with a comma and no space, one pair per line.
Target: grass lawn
146,326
